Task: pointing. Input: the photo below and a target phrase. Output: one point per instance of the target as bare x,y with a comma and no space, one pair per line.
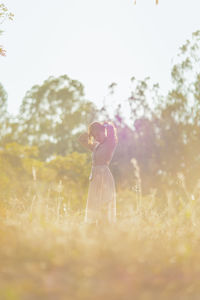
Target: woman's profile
101,139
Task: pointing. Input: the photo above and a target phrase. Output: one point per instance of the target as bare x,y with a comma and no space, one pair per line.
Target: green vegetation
152,252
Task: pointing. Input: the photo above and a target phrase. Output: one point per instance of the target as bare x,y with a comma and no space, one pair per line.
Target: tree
164,132
4,14
3,103
53,114
182,110
3,112
138,135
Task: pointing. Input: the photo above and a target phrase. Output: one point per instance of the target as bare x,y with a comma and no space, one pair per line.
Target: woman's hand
83,137
83,140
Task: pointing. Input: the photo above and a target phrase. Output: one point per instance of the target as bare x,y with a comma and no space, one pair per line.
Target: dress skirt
101,200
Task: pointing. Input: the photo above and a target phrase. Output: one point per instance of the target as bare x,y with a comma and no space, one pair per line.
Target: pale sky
94,41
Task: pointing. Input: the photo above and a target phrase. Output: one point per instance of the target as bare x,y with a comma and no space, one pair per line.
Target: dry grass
146,255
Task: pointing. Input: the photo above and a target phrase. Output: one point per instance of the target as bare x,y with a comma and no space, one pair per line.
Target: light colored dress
101,201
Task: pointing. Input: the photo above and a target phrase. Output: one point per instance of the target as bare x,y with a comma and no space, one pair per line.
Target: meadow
152,252
48,252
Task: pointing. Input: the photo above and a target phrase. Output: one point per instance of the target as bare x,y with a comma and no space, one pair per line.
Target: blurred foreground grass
148,254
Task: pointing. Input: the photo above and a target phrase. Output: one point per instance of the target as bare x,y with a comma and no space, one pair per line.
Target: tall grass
48,252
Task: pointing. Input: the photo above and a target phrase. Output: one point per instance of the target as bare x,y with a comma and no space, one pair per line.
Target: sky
94,41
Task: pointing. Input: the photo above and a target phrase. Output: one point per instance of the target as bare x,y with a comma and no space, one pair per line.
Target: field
127,76
148,254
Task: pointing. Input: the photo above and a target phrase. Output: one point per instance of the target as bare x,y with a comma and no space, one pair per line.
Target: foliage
163,135
53,114
4,14
23,174
157,2
3,110
159,140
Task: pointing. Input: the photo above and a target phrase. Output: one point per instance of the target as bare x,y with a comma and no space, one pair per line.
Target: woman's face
99,135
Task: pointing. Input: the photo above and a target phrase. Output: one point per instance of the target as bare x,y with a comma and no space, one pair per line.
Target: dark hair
91,127
108,127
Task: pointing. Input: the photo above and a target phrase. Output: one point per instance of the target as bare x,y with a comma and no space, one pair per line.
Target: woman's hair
109,129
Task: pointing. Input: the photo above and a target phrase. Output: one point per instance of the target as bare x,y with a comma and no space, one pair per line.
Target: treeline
158,150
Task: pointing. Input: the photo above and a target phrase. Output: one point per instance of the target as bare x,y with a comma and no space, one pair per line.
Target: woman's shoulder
83,139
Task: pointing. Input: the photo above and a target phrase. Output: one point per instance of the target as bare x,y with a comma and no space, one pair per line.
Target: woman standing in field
101,139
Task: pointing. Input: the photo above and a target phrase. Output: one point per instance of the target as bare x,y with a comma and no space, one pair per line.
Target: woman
101,139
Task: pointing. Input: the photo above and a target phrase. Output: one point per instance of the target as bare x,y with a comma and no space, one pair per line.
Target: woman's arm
83,140
111,134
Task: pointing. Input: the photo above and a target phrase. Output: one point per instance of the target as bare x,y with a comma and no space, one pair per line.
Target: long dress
101,200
